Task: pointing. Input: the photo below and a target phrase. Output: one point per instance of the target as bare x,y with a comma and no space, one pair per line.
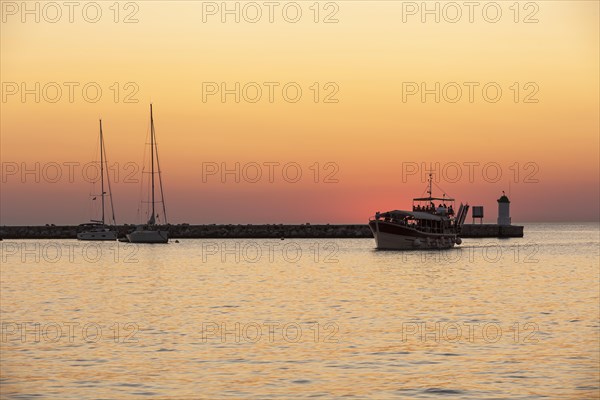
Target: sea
511,318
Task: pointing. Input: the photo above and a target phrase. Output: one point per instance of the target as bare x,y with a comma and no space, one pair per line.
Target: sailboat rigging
151,232
97,229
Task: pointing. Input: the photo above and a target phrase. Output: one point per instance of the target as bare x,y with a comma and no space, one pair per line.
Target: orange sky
370,55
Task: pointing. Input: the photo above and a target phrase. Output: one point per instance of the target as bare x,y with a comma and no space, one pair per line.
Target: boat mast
102,170
151,221
429,189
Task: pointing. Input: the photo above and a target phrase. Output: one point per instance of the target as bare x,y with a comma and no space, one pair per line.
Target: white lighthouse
503,210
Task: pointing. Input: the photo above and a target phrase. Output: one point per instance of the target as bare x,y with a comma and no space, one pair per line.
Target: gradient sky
369,134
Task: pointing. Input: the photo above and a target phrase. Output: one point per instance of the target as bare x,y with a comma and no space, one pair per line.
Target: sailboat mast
102,170
152,158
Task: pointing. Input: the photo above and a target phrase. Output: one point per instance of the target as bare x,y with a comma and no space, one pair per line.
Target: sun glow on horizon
302,122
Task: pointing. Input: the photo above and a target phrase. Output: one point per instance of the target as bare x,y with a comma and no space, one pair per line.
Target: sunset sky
367,61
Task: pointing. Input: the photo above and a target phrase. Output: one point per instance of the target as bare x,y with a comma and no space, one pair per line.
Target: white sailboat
97,229
151,232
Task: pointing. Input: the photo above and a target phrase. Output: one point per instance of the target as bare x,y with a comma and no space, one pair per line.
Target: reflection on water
512,318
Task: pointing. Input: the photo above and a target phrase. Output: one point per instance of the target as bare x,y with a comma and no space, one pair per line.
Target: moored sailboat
151,232
97,229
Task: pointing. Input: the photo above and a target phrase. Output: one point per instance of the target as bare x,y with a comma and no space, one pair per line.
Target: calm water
515,318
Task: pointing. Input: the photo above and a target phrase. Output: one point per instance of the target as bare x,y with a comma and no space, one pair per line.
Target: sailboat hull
96,232
146,236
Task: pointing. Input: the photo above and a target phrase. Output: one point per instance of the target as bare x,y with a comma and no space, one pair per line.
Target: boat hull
104,235
146,236
389,236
